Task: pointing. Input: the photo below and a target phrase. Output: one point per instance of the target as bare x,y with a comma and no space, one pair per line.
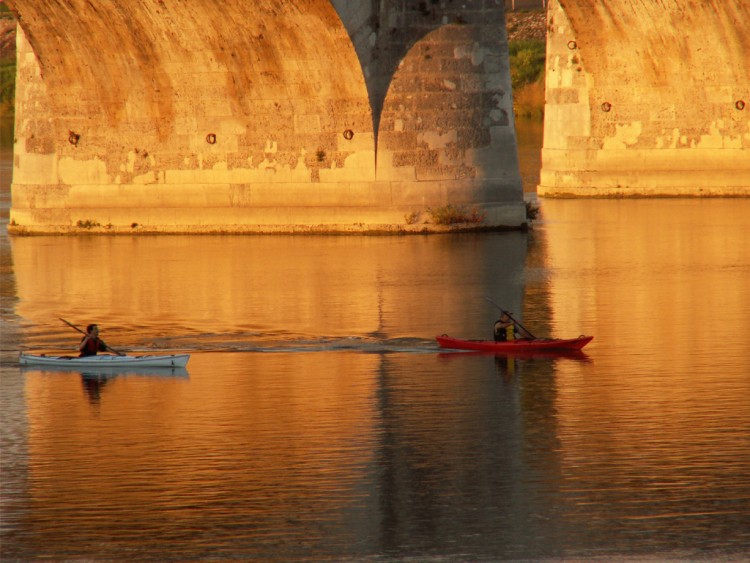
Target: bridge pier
647,99
266,116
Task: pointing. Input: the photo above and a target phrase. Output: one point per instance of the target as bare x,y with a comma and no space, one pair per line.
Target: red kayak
511,346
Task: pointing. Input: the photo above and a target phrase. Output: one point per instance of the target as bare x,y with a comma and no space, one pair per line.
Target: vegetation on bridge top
527,35
527,58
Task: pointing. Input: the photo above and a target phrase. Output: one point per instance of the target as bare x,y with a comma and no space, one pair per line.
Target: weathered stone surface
390,105
647,99
272,100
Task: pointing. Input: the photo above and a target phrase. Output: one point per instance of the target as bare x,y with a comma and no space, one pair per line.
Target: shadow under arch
437,68
455,123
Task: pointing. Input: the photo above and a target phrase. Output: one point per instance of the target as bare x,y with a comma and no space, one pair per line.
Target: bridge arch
439,85
176,116
196,102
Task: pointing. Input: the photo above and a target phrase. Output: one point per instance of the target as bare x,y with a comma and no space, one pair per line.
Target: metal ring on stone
572,45
606,106
348,134
211,139
740,104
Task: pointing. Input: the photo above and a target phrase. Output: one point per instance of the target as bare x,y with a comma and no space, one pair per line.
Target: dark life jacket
93,346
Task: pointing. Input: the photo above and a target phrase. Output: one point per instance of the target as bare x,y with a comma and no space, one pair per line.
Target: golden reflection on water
265,447
662,279
664,287
295,285
251,434
362,451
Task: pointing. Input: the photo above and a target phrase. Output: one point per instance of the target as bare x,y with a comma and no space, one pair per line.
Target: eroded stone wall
262,116
647,99
439,83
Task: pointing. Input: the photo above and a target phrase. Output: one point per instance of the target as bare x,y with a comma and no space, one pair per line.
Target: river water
318,420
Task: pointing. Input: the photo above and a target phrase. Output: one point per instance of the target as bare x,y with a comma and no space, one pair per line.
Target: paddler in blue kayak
91,344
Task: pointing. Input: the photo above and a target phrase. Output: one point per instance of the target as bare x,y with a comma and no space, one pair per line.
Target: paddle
71,325
519,325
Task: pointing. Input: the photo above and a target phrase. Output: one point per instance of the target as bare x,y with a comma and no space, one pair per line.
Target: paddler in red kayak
91,344
505,329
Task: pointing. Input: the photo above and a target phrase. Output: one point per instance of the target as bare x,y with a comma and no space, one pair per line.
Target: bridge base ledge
496,216
641,192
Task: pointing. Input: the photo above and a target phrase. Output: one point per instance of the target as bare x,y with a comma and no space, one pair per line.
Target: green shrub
532,210
451,214
528,100
412,217
87,224
527,58
7,87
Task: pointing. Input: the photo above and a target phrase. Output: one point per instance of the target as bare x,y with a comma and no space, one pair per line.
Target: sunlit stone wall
264,116
647,99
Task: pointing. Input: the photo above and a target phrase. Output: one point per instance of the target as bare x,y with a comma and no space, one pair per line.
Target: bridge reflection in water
320,420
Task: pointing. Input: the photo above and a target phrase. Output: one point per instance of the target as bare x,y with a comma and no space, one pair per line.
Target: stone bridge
349,116
647,98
